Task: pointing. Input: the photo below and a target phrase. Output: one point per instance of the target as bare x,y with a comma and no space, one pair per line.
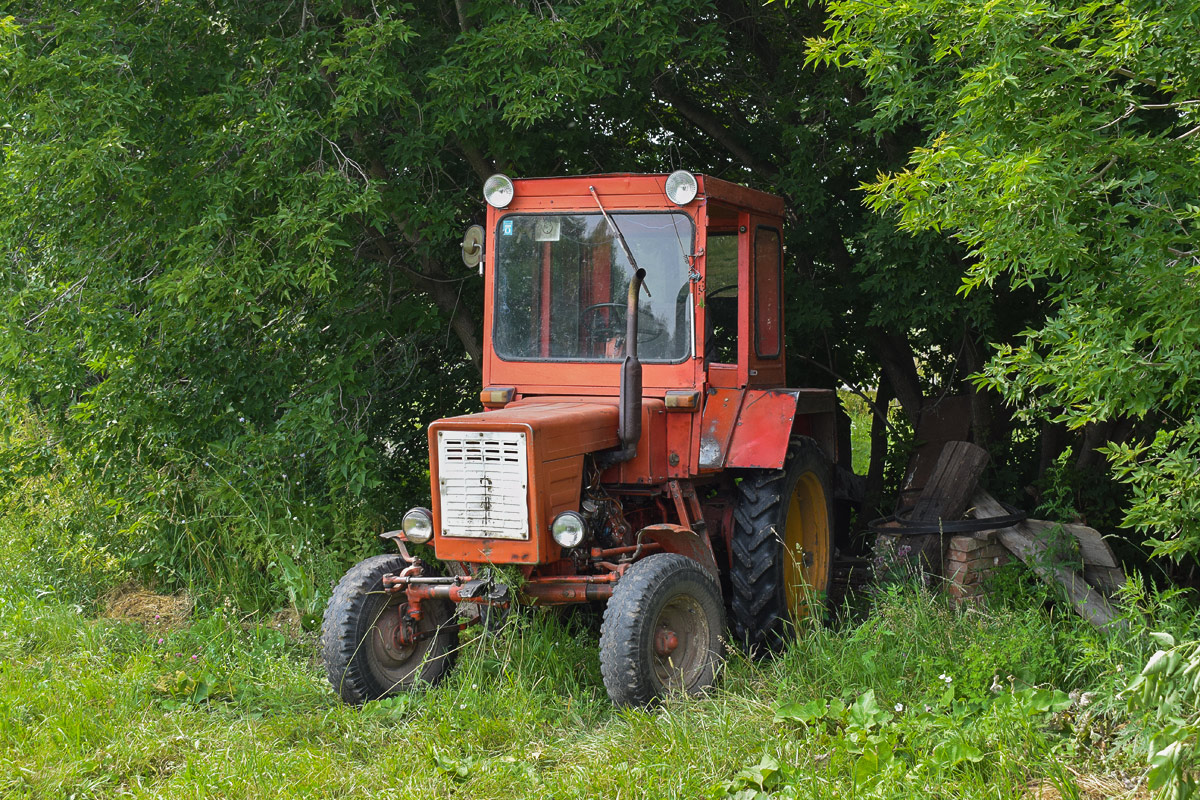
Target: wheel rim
806,545
395,662
680,644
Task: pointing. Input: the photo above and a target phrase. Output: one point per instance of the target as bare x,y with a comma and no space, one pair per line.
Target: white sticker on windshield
548,230
506,227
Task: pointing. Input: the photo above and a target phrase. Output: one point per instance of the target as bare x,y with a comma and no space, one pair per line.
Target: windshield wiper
620,236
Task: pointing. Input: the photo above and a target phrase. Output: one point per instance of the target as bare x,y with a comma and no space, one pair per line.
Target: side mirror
472,247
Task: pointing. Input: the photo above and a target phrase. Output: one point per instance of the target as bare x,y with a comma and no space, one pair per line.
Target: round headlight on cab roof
568,529
498,190
418,525
681,187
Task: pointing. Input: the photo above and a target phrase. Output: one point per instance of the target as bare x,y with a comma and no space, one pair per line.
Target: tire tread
758,614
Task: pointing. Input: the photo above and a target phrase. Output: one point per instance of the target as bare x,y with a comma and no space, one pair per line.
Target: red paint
764,425
720,415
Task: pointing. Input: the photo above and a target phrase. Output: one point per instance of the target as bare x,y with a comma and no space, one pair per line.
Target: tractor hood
559,427
498,478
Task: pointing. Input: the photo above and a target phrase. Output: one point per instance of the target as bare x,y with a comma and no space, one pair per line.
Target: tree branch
478,163
707,122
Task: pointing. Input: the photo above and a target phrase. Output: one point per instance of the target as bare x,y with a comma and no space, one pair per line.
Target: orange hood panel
558,433
560,428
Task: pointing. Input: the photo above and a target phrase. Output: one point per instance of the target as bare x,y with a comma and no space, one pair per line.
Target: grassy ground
914,700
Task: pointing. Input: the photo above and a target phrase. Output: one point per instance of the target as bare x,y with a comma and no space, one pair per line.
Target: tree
232,296
1062,151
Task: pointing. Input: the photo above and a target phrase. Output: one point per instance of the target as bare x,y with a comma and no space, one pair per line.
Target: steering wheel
651,330
716,292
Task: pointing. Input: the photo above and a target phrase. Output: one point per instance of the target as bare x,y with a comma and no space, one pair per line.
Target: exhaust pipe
629,419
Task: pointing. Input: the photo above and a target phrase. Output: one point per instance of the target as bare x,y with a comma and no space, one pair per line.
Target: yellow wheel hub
806,546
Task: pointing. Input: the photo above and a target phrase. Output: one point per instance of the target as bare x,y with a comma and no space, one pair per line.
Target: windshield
562,282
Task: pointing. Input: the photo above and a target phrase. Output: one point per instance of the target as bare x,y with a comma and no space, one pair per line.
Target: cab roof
636,190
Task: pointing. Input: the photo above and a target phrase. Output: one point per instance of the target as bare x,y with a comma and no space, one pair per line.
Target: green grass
231,707
860,430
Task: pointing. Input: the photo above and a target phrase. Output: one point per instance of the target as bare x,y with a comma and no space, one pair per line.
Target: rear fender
760,422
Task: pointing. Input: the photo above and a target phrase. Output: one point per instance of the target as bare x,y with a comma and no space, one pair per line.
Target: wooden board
945,497
1022,541
1100,565
950,487
946,420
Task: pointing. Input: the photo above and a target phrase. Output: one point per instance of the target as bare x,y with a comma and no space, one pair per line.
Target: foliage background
231,290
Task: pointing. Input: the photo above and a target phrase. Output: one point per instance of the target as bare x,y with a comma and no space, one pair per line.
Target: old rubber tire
782,547
362,660
662,594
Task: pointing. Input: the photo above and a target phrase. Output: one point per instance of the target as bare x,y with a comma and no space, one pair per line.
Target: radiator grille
482,481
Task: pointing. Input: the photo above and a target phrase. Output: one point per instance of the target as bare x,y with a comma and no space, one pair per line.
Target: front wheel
369,647
662,631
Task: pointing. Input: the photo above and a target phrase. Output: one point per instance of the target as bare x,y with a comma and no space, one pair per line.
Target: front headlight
568,529
681,187
418,525
498,190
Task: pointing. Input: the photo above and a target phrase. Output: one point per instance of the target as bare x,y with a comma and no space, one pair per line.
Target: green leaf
954,751
1044,700
866,713
802,712
1157,663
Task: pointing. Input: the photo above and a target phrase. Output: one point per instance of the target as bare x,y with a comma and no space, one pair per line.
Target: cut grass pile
916,700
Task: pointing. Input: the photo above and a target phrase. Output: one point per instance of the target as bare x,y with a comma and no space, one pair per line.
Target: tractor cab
557,278
637,447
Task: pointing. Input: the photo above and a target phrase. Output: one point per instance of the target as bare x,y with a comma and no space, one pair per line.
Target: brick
960,593
957,591
957,566
970,561
966,544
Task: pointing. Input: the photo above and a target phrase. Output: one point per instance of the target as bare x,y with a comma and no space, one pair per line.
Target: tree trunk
879,443
900,367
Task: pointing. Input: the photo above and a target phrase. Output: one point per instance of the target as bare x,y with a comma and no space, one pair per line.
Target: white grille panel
482,481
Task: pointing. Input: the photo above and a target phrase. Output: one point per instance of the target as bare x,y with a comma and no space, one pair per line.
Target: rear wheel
782,547
662,631
370,647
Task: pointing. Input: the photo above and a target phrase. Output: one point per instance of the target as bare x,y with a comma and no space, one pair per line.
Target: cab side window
767,293
721,298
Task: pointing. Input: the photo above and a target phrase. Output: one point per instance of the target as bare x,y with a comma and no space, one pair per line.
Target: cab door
763,334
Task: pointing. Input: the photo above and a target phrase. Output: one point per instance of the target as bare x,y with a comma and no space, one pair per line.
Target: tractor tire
782,555
662,631
362,659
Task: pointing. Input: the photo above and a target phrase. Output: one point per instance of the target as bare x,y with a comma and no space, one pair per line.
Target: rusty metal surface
678,539
767,418
717,422
649,466
764,425
560,591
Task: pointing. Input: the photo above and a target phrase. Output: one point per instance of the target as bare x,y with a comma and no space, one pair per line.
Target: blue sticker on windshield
506,227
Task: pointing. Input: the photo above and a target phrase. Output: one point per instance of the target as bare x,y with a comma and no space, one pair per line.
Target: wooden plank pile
952,490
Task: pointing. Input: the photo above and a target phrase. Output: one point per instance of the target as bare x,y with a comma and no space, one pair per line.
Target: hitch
482,591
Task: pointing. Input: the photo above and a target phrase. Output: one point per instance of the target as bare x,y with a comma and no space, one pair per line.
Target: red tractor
637,448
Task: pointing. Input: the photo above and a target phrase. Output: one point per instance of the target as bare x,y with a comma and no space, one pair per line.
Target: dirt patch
133,603
1092,787
287,622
